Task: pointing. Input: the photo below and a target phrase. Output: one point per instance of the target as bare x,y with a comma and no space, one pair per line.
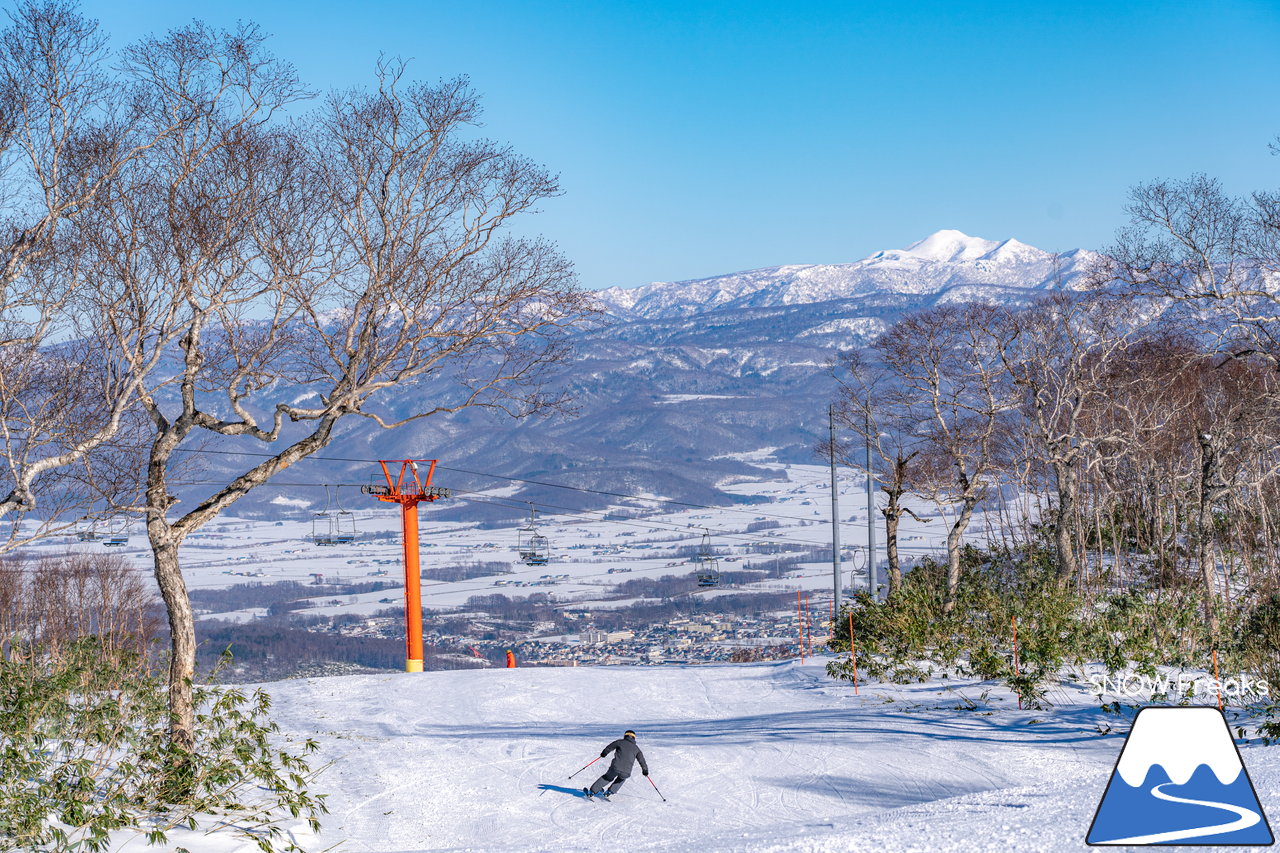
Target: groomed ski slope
770,757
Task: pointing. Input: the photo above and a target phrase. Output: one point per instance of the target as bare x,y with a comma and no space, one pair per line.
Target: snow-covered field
755,757
584,546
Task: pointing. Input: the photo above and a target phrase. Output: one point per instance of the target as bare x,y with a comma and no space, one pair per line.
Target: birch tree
870,406
264,280
68,125
1056,352
1214,256
950,380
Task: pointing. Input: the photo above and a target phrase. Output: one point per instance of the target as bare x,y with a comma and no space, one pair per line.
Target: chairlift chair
118,535
534,548
344,532
87,529
344,521
322,529
709,566
537,551
333,526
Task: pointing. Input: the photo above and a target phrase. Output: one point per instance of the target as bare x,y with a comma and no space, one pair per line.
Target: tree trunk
182,633
1068,568
1208,571
954,536
892,516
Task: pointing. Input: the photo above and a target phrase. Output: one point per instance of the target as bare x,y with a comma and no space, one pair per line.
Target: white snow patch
686,398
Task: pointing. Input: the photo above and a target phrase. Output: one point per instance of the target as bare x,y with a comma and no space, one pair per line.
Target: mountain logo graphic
1180,780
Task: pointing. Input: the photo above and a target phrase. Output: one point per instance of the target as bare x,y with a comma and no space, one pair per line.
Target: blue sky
697,138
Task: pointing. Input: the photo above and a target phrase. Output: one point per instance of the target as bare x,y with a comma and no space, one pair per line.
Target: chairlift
117,535
333,526
344,521
709,566
87,529
534,548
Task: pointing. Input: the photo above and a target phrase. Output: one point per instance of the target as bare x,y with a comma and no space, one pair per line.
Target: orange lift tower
409,489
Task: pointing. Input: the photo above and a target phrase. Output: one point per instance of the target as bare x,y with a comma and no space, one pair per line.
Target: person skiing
625,755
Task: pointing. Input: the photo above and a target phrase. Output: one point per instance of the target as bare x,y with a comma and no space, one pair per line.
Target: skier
626,754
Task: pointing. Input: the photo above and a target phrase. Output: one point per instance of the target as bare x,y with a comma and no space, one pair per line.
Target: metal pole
835,510
871,512
412,589
580,769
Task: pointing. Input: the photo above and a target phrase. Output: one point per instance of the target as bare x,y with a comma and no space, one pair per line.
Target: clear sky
697,138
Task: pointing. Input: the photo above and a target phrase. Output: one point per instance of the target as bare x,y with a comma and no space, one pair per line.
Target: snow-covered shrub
908,638
1144,628
86,756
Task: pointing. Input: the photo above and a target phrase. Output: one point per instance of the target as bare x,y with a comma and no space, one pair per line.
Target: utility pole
835,511
409,489
871,512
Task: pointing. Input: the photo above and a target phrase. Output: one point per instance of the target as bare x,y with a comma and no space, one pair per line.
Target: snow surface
751,757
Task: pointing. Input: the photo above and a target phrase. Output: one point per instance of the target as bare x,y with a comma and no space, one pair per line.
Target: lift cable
745,509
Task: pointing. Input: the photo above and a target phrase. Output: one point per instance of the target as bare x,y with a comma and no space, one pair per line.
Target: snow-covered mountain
686,379
947,264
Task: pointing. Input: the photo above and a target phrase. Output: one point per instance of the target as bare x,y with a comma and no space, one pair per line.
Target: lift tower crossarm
409,488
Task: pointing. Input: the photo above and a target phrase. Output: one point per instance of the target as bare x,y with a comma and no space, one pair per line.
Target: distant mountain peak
951,245
948,264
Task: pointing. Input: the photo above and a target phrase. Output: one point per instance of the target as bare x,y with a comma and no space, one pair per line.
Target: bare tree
52,601
949,379
867,405
1215,258
1235,418
1214,255
1057,351
69,125
263,281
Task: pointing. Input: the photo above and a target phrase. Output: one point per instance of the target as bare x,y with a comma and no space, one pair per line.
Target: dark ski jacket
626,755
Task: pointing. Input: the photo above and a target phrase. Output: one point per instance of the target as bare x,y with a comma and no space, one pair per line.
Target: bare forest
1124,434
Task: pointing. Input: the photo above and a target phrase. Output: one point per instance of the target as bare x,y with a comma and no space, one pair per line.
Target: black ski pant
610,775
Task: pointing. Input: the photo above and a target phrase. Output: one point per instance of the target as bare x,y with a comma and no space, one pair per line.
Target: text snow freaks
1132,685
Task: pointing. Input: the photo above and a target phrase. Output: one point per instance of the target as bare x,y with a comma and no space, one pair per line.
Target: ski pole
576,772
655,787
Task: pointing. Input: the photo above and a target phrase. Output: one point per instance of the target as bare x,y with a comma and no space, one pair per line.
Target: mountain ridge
944,260
686,377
